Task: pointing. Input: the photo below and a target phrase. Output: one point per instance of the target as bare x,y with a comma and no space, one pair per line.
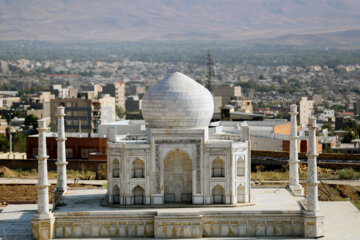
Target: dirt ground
6,172
32,173
26,194
18,194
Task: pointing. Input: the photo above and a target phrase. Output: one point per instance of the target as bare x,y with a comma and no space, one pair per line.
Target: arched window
240,193
138,195
116,194
218,195
240,168
116,169
217,168
138,167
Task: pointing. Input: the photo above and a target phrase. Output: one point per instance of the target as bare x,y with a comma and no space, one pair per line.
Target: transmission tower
210,72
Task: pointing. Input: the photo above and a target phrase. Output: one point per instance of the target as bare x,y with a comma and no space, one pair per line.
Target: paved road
15,221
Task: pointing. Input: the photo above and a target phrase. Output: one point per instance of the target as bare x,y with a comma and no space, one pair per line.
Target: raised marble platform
274,212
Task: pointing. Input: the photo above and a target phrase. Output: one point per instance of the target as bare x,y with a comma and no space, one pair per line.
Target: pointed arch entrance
178,177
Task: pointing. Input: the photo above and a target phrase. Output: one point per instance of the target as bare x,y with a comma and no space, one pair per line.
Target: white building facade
179,160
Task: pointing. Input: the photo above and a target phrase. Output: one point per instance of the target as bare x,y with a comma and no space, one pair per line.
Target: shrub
347,173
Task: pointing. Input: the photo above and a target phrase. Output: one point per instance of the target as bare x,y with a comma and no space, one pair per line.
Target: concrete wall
282,129
75,144
266,144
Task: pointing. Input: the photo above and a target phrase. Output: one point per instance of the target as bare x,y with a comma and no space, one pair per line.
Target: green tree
120,111
31,123
4,144
19,142
105,74
349,135
17,114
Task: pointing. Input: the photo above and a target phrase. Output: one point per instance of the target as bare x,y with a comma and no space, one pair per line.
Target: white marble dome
177,101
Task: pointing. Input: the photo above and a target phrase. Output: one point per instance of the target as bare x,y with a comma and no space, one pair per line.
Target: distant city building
60,92
3,127
135,90
357,107
83,114
317,99
6,101
96,88
226,92
78,146
4,67
241,104
327,114
133,104
116,90
306,109
217,104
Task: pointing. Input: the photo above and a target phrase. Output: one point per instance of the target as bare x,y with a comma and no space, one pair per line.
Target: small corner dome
177,101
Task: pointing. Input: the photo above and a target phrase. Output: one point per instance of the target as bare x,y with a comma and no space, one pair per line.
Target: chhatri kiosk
181,178
180,160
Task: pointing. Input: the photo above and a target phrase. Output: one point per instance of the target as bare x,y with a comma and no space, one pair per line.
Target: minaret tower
43,185
61,152
42,224
294,185
312,180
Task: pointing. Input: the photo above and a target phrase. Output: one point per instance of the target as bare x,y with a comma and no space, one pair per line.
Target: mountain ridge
172,20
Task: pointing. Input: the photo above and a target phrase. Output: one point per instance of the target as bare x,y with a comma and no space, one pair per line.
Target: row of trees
228,52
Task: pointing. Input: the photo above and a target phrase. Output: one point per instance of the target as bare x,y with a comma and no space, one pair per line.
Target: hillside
176,19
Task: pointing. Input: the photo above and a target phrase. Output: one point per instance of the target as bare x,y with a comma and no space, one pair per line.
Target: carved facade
178,166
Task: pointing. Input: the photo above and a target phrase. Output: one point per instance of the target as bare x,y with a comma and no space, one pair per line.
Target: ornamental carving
197,160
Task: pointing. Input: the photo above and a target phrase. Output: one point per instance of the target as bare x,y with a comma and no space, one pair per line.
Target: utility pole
210,72
10,135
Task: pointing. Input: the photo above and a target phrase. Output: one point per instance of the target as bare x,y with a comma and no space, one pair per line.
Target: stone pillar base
158,200
197,200
313,226
42,228
296,190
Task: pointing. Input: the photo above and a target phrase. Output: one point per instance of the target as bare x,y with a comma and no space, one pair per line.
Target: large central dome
177,101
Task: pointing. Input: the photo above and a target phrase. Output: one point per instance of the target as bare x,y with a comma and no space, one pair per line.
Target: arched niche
218,195
115,168
240,167
138,195
137,168
116,194
240,193
218,168
178,177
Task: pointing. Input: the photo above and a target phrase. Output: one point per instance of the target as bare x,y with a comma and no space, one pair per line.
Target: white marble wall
247,224
202,153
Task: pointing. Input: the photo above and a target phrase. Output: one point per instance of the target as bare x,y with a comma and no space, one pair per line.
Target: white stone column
61,151
312,181
43,185
294,185
245,130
